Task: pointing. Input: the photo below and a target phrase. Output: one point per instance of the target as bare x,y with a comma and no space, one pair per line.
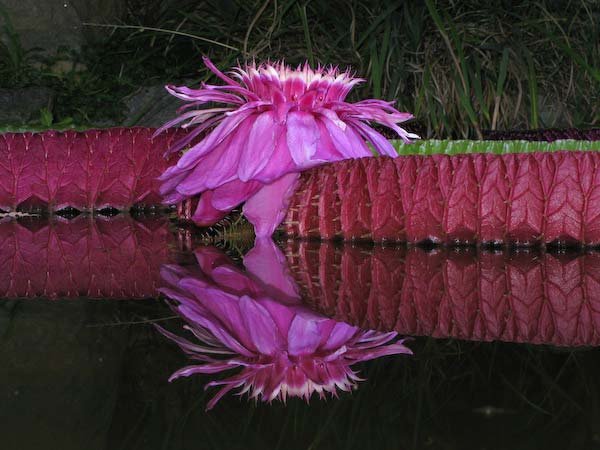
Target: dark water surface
505,343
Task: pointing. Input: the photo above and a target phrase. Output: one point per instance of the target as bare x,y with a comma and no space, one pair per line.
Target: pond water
504,343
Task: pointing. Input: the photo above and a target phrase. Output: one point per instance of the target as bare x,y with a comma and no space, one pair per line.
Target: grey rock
151,106
45,24
553,113
98,12
18,106
50,24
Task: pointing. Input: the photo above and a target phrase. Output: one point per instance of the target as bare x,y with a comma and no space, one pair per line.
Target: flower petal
185,141
215,137
280,163
381,144
219,166
230,195
260,146
346,141
263,331
268,264
340,335
220,314
209,64
231,279
389,349
206,214
303,337
267,208
203,95
302,136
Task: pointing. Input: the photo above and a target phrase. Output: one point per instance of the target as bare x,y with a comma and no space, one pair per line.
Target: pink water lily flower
267,123
279,347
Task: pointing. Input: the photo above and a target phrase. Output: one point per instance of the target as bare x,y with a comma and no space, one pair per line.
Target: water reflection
528,297
104,367
254,321
117,257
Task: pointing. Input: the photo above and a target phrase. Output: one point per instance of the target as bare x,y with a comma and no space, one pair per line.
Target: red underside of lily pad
88,170
519,199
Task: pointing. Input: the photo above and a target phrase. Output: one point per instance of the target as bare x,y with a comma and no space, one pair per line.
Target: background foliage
461,67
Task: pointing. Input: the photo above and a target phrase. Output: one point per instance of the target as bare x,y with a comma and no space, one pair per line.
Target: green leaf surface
456,147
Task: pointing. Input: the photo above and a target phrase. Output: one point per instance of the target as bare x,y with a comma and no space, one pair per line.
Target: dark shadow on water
77,375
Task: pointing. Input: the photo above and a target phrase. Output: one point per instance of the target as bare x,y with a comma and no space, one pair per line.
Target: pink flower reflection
271,122
282,348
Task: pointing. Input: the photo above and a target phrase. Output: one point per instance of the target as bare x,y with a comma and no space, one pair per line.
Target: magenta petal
345,140
176,295
281,313
209,258
171,179
218,396
294,86
206,214
221,334
263,330
202,95
214,138
280,162
331,115
184,372
194,181
340,335
381,144
218,167
327,150
389,349
303,336
209,64
172,273
184,344
233,280
260,146
302,136
219,312
230,195
185,141
268,264
175,121
210,368
358,143
267,208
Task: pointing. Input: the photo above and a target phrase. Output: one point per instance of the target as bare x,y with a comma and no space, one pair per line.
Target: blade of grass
161,30
565,46
307,39
13,46
251,26
533,91
500,86
376,22
460,63
478,88
502,73
375,70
